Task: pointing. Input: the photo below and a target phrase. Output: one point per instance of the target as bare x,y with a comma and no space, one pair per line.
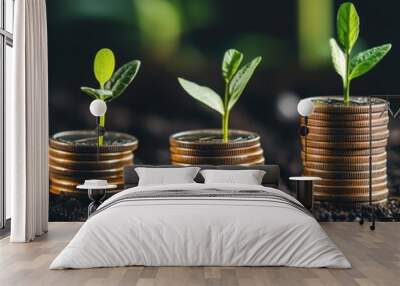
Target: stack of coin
206,147
338,150
73,158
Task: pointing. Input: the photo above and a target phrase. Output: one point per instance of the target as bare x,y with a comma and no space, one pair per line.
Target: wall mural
195,39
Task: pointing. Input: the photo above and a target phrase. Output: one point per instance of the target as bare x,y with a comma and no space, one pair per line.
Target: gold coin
219,160
215,152
334,104
210,139
347,138
344,145
346,131
347,116
343,152
338,175
349,190
378,196
376,165
342,159
351,182
346,124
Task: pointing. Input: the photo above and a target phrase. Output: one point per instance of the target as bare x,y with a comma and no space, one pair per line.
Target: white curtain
27,124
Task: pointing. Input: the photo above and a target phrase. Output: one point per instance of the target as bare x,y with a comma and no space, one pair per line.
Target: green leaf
90,91
240,80
365,61
348,25
104,64
338,59
122,78
203,94
103,94
230,64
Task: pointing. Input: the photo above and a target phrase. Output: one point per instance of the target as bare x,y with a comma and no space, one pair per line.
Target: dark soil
75,209
329,212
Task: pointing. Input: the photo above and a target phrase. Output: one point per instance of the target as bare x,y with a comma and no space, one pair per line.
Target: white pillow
247,177
166,176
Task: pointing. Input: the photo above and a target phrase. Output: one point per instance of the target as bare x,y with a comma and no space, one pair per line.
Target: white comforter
200,231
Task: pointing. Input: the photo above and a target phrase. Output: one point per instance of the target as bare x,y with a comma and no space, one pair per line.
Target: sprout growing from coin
111,84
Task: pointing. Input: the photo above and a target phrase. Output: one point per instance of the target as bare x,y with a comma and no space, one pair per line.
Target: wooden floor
375,257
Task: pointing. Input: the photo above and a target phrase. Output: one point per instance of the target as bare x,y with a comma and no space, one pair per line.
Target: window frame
6,39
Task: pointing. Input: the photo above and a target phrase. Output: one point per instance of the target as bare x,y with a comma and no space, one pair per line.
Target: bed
197,224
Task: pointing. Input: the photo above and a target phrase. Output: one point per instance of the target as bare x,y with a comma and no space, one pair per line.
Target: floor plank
375,257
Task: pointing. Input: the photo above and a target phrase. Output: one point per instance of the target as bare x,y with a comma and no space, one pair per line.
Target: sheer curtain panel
27,124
